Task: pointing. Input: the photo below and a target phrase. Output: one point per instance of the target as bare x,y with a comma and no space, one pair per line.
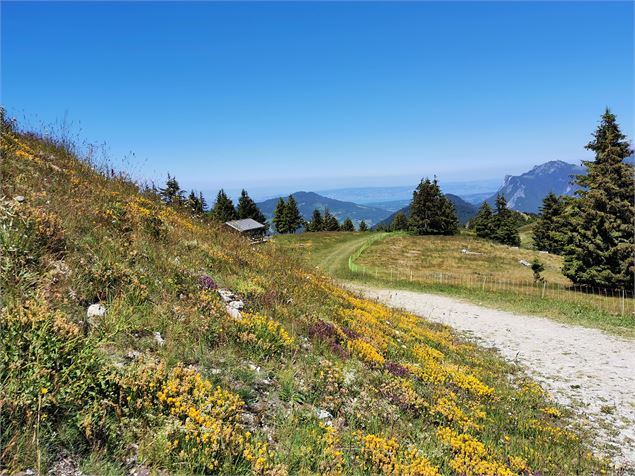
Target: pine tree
280,217
504,224
600,247
316,223
195,203
330,222
172,193
293,217
548,231
347,225
223,210
482,222
247,208
431,212
363,226
399,223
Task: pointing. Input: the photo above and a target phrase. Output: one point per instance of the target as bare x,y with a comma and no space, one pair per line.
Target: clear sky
322,95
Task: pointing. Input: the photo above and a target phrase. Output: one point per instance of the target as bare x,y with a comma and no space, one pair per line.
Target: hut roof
247,224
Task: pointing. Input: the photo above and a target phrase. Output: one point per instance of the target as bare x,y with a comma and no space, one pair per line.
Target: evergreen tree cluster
286,216
431,212
499,225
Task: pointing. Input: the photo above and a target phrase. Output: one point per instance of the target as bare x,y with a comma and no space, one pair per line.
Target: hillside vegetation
306,379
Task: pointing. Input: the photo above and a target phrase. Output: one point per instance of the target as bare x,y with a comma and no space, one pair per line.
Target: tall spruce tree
431,212
316,223
347,225
280,217
223,210
504,224
600,246
247,208
482,222
293,216
363,226
172,193
548,231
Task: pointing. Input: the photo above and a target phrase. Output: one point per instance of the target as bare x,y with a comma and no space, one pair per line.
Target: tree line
223,209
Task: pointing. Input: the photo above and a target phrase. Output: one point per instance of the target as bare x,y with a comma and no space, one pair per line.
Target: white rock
234,313
19,198
524,262
226,295
95,310
323,414
215,371
236,304
158,339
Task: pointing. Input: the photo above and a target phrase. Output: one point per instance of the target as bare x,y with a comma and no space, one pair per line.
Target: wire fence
614,301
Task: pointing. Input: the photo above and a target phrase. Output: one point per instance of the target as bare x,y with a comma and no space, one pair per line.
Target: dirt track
583,368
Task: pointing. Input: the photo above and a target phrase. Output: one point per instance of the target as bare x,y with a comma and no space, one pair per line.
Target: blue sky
322,95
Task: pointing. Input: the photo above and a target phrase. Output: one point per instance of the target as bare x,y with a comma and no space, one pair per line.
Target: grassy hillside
308,380
493,276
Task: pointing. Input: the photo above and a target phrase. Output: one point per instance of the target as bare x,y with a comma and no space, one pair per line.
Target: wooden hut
248,227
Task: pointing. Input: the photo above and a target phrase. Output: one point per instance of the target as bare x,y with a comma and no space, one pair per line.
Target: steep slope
119,355
525,192
464,210
309,201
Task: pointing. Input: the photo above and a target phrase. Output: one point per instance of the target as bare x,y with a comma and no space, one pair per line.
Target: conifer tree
293,217
280,217
172,193
600,246
504,224
363,226
347,225
548,231
330,222
482,222
247,208
195,203
400,222
223,210
316,223
431,212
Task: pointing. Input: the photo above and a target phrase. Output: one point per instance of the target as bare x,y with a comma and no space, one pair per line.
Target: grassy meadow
492,276
309,379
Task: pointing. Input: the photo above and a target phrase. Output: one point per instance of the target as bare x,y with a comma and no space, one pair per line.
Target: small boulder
236,304
226,295
95,310
234,313
323,414
158,339
19,198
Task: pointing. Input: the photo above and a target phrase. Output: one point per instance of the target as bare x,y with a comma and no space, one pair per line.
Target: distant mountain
309,201
464,210
525,192
392,205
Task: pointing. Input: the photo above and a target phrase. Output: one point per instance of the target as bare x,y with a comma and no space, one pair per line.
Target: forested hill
309,201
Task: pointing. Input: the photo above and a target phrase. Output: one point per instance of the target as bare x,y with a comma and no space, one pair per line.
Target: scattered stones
524,262
215,371
158,339
254,368
465,251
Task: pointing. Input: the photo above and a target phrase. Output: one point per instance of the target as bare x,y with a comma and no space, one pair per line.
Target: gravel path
583,368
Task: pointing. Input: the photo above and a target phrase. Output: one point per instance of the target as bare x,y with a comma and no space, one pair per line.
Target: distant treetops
594,231
223,209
